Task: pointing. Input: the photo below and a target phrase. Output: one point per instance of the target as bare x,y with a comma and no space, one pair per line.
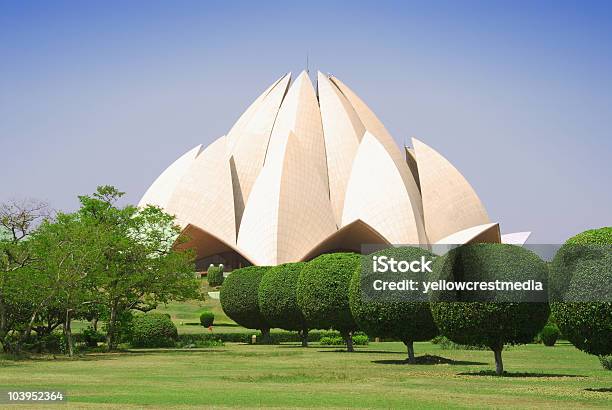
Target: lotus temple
306,171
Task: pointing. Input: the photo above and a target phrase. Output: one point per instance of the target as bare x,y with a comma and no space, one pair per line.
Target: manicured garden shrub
214,275
490,319
580,279
322,293
332,341
207,318
361,339
153,330
606,362
240,301
278,299
406,319
195,342
446,344
549,335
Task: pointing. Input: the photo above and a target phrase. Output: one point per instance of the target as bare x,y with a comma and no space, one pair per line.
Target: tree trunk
410,345
265,336
304,336
499,365
348,338
94,324
110,333
68,332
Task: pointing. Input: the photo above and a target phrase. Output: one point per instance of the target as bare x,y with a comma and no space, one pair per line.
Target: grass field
287,376
244,376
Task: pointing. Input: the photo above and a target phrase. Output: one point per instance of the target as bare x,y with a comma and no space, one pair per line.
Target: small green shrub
92,337
331,341
214,275
207,318
153,330
446,344
190,343
606,362
549,335
361,340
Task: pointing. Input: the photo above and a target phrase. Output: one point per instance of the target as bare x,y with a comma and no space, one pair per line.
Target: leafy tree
580,282
67,251
323,293
405,316
140,267
18,219
240,301
278,299
488,318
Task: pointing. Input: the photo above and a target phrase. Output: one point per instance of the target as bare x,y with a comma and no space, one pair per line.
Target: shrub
92,337
331,341
606,362
361,340
322,293
489,319
207,318
549,335
400,317
214,275
190,343
153,330
240,301
446,344
580,278
277,299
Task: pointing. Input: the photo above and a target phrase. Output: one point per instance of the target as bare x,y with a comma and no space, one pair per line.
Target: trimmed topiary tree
278,299
153,330
240,301
322,293
405,316
207,318
484,317
214,275
549,335
580,282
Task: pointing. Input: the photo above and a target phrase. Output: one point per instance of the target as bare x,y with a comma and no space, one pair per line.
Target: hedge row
274,337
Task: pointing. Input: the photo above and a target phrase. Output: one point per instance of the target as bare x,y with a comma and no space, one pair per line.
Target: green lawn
287,376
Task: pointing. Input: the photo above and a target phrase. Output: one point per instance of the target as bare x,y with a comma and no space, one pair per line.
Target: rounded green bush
501,318
207,318
214,275
240,300
153,330
580,279
400,318
361,340
322,291
331,341
549,335
278,297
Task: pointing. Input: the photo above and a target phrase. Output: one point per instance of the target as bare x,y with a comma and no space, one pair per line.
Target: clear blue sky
517,95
